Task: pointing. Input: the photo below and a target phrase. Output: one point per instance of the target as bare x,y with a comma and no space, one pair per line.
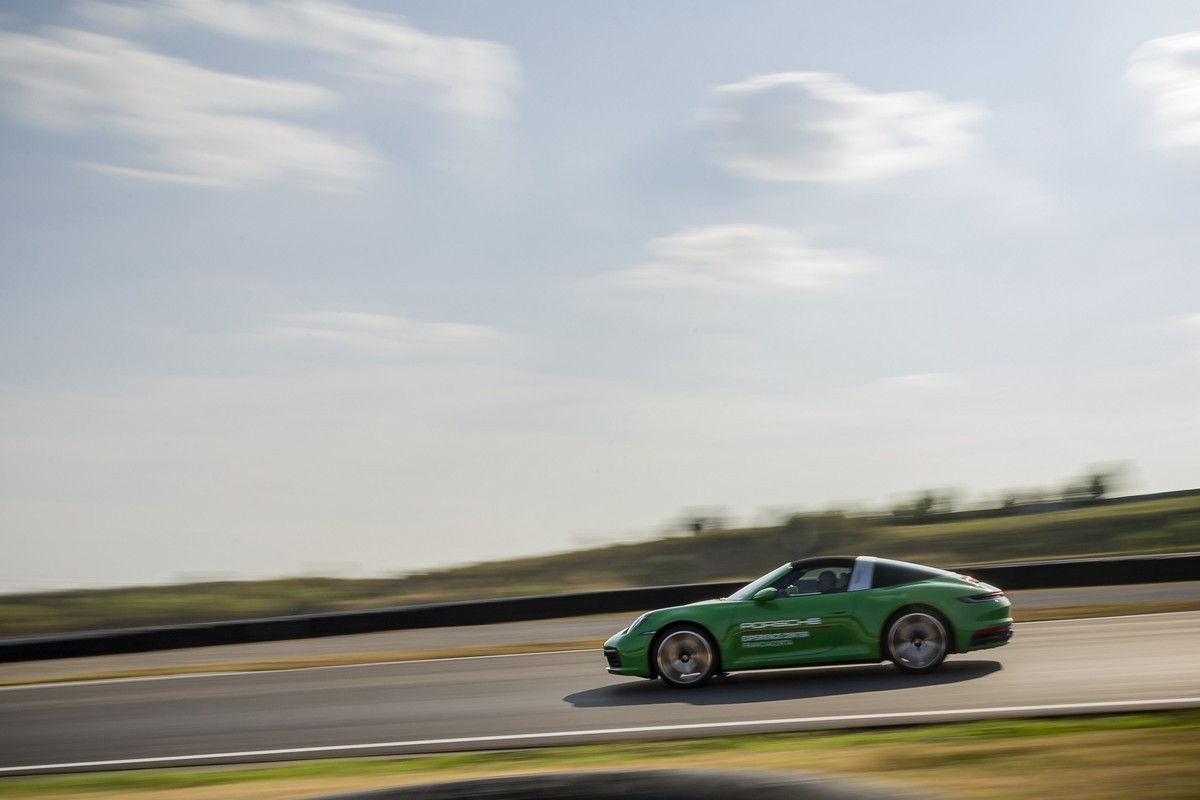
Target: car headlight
638,621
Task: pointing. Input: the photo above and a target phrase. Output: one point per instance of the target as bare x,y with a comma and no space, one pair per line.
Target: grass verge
1099,758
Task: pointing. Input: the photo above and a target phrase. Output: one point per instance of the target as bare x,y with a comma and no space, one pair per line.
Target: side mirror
765,595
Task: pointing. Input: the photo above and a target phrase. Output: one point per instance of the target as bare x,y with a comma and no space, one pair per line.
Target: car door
800,624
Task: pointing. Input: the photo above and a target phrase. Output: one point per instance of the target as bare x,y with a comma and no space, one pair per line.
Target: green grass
1152,526
1146,755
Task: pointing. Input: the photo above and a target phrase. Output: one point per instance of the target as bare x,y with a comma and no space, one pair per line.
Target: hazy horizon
377,287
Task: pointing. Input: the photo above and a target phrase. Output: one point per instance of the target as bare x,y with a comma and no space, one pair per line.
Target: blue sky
321,287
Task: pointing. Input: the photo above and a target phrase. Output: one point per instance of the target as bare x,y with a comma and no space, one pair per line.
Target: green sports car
829,610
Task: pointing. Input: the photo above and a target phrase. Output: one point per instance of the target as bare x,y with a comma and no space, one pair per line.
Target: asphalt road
1070,666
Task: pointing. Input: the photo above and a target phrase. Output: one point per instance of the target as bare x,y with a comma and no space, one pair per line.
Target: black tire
917,640
685,656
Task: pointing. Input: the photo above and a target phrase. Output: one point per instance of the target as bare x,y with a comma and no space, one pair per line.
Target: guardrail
1011,577
1065,574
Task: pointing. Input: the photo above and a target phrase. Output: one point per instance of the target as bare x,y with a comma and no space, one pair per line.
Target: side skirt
813,665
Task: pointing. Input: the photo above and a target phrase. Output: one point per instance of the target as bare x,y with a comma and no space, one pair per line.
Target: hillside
1107,528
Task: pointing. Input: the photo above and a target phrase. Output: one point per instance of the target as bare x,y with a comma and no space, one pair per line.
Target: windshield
747,591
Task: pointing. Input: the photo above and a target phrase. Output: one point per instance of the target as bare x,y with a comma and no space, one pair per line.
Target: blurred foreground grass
1153,526
1068,758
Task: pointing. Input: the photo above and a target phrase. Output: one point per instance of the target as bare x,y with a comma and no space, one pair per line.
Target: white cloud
919,382
737,258
379,333
193,124
1188,323
816,126
1168,70
471,77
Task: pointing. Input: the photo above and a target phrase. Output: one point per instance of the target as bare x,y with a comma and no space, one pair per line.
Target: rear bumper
991,637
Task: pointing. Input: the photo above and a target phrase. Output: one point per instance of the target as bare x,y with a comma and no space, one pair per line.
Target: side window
814,580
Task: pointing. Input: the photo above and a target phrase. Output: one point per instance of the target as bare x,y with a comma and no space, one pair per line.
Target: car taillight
983,598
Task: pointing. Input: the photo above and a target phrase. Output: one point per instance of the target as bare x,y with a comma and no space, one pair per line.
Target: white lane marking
695,726
284,670
1102,619
181,676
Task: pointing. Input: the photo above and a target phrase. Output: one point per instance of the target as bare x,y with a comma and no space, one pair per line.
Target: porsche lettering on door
779,623
772,639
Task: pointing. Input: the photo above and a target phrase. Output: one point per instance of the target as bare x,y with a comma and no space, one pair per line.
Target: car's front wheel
917,640
685,657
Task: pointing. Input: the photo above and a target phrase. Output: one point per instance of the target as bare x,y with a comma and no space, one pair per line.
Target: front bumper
613,656
629,654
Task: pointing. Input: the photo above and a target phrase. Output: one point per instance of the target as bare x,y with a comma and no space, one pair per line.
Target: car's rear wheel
917,640
685,657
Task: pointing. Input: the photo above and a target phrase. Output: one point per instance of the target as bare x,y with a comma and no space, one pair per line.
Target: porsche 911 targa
830,610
